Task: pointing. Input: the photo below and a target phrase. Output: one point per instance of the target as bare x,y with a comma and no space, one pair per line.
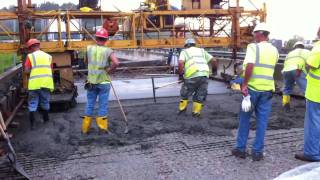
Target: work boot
302,157
238,153
196,110
183,106
31,119
45,115
257,156
102,123
86,122
286,103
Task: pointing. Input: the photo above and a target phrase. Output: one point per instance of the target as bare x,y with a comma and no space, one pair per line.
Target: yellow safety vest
265,61
41,72
296,59
313,77
195,62
98,61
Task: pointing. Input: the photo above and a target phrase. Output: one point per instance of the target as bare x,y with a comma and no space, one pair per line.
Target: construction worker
101,62
39,65
294,71
257,87
311,150
194,69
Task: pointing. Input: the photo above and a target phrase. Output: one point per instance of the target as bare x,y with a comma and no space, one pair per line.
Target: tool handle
2,122
121,108
3,133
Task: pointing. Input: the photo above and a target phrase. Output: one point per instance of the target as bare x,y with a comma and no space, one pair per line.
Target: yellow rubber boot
196,110
183,105
286,102
102,123
86,122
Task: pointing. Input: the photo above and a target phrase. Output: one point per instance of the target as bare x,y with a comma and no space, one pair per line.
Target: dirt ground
61,138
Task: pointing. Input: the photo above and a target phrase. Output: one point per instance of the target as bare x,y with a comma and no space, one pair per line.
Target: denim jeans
41,96
290,78
197,86
102,92
261,101
312,130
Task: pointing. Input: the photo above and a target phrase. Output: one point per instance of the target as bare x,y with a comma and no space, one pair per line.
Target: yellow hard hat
85,9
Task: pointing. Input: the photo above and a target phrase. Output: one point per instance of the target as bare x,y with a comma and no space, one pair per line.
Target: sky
285,18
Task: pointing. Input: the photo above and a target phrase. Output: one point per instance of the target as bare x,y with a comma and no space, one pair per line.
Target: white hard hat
190,41
298,43
261,27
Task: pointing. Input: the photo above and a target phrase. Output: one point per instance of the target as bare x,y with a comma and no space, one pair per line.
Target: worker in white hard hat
257,89
294,71
194,70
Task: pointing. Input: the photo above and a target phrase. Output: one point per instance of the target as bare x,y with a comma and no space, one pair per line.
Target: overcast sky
285,17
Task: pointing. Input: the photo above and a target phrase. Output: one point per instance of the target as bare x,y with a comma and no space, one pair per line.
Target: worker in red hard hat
101,62
39,65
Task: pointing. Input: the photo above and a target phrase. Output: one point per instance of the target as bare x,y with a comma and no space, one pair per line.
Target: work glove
246,104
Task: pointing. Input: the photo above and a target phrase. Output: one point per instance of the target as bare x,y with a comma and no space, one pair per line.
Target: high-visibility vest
41,72
266,57
195,62
313,77
296,59
98,61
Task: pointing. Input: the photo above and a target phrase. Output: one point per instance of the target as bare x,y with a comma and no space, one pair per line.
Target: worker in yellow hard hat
257,88
311,148
294,71
101,62
194,70
39,65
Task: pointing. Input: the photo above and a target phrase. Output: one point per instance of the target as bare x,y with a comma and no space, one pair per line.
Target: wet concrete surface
160,144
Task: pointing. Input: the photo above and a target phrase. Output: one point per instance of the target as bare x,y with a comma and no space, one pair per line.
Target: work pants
312,131
100,91
290,78
197,86
261,102
39,96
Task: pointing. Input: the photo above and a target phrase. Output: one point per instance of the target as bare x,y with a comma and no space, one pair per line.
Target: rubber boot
183,106
102,123
286,102
196,110
86,124
45,115
31,118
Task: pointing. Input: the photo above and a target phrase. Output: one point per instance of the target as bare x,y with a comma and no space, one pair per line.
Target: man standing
294,71
311,148
101,62
39,65
194,69
257,88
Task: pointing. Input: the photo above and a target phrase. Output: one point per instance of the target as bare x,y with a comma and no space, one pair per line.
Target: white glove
246,104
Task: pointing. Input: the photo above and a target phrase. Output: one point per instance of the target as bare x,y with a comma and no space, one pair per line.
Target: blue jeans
101,90
36,96
312,131
290,78
261,101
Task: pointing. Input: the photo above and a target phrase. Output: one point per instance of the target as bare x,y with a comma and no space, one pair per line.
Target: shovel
12,157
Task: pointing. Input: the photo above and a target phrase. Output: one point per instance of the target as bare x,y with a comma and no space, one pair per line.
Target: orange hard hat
102,33
32,42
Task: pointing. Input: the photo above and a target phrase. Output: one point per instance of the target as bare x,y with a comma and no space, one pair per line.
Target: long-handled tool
12,157
168,84
121,108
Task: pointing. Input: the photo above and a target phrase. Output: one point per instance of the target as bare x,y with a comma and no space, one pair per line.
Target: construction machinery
64,33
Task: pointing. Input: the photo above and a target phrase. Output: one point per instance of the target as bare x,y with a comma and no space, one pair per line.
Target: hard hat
102,33
261,27
298,43
190,41
32,42
86,9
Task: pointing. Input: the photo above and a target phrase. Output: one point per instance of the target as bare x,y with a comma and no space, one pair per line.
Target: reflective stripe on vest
98,57
41,72
258,64
195,63
314,76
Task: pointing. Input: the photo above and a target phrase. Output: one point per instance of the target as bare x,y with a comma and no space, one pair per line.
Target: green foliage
6,61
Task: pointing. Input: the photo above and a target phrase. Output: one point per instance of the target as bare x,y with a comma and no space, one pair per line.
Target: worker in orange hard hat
101,62
39,65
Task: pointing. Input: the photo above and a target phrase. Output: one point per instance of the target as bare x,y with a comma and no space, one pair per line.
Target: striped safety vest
313,77
41,72
195,62
296,59
98,61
